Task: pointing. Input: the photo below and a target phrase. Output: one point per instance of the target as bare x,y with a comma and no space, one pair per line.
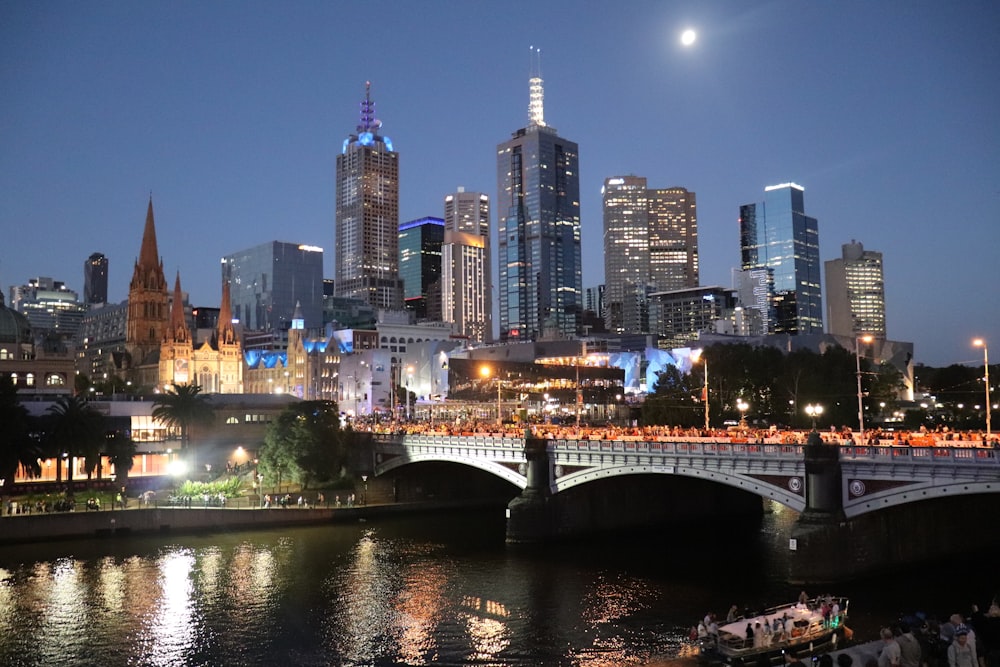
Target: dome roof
14,327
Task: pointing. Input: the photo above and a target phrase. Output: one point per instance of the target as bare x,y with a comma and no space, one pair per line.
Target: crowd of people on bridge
844,436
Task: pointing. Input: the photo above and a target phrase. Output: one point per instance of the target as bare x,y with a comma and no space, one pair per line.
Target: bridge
870,478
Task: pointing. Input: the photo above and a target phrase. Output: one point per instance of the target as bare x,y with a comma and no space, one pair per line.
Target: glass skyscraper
367,218
266,281
538,219
420,266
776,234
95,279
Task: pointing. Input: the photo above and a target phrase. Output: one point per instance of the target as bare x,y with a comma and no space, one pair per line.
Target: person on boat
803,598
910,652
713,630
962,652
758,635
733,613
749,634
702,630
890,654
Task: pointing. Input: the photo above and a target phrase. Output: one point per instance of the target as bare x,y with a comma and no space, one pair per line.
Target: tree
121,450
17,448
181,408
304,444
76,429
674,400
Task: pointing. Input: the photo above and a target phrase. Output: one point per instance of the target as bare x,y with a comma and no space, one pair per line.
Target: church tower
147,305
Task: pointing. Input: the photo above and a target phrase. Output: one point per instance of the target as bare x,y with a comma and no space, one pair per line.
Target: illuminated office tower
540,285
776,234
855,292
650,245
466,285
420,266
367,217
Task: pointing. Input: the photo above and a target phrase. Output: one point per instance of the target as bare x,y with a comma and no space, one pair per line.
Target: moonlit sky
232,114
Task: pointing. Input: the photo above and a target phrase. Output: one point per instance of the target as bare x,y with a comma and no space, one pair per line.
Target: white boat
804,629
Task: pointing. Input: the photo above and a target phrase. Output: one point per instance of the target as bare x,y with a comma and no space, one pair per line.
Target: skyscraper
466,284
420,266
95,279
777,234
855,292
538,219
266,281
650,245
367,218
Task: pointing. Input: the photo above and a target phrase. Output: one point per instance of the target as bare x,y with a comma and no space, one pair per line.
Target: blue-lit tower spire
367,215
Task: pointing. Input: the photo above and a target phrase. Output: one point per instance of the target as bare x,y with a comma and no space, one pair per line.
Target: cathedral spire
178,331
226,333
149,256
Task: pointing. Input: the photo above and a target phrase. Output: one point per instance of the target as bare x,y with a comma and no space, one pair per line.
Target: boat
809,627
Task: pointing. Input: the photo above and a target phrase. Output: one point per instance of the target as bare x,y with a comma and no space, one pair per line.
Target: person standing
962,652
890,655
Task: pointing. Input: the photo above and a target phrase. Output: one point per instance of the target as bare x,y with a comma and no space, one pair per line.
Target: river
439,589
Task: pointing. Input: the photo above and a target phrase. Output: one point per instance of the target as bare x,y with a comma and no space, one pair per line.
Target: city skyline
233,115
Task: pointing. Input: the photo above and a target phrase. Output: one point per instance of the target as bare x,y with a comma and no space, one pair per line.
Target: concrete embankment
65,525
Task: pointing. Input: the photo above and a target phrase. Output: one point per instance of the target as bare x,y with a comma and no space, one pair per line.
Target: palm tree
17,448
121,451
76,429
183,407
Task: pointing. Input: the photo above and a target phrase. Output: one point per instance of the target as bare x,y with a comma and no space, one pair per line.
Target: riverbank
27,528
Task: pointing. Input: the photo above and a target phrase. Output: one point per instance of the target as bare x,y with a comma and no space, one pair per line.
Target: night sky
232,114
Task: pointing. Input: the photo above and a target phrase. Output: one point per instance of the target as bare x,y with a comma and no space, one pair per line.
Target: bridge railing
923,455
720,447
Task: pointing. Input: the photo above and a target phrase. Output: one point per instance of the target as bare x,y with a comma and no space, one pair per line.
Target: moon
688,37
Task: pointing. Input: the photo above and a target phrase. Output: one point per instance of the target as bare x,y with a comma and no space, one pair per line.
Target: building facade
466,279
50,306
777,234
855,292
680,316
266,282
420,266
540,286
367,215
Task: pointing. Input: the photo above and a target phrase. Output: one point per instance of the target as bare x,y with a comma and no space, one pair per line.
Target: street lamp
364,498
485,372
695,356
742,406
867,338
814,411
409,377
979,342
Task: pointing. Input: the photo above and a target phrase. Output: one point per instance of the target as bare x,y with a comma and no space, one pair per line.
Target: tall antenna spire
368,121
536,103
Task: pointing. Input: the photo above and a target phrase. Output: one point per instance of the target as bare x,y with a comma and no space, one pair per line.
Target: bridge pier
529,515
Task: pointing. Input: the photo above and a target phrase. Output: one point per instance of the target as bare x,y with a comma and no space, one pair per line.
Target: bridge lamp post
814,411
742,406
867,338
409,378
364,498
695,357
979,342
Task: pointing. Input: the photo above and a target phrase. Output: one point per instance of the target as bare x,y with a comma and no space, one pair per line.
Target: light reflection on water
415,591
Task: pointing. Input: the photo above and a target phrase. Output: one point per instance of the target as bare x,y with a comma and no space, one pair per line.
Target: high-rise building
50,306
855,292
367,218
778,235
466,285
266,282
540,286
95,279
650,245
420,266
